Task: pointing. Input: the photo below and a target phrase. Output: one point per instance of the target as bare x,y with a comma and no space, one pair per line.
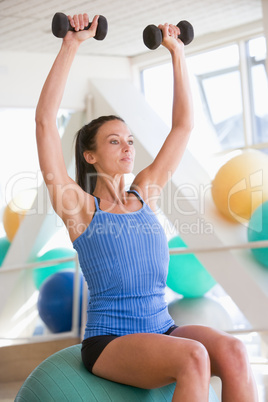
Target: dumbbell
153,36
61,25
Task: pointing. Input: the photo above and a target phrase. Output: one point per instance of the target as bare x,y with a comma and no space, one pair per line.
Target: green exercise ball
63,377
41,274
258,230
186,275
4,246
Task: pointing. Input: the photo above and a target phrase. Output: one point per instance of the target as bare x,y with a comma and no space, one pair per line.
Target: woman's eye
130,142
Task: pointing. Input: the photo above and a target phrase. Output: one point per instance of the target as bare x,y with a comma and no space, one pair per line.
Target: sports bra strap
137,195
97,202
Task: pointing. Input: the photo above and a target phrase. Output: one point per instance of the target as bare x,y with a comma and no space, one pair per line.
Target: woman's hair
86,174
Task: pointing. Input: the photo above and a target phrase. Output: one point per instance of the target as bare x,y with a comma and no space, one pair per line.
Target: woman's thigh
145,360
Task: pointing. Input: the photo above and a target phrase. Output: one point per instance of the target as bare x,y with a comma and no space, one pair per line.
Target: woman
130,337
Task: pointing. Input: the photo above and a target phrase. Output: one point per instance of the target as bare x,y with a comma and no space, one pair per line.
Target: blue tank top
124,259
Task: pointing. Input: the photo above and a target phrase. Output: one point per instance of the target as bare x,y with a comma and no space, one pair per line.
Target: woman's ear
89,157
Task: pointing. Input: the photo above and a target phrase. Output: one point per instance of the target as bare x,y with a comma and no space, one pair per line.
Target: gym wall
22,76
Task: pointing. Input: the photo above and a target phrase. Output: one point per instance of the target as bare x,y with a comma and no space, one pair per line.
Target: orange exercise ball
16,210
241,185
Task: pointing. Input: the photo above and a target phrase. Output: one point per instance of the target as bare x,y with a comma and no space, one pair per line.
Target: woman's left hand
170,37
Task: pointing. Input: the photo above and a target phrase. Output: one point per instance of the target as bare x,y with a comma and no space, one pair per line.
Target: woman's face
115,151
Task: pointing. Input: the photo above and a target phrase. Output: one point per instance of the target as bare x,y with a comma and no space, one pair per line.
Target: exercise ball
41,274
186,275
55,301
4,246
63,377
16,210
258,230
200,311
241,185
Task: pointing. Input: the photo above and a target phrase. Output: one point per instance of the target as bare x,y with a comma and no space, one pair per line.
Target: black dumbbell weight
61,25
152,35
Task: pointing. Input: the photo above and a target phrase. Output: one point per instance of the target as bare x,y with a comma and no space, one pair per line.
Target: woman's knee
197,361
233,357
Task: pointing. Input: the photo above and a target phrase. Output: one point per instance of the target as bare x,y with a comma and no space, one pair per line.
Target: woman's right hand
79,22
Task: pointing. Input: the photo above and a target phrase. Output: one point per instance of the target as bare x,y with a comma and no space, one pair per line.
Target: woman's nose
126,147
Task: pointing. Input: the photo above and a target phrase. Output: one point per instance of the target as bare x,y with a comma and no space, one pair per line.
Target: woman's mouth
127,159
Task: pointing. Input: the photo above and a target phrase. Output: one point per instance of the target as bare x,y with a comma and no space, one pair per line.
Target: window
227,116
218,77
256,54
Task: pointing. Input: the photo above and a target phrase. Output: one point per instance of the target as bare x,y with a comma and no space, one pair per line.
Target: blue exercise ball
258,230
55,301
186,275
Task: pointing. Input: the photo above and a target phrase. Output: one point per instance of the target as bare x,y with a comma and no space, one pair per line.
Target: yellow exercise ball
241,185
16,210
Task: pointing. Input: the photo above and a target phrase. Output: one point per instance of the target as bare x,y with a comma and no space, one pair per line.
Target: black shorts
93,346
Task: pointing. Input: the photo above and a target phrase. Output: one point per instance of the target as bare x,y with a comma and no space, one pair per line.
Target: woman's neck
111,190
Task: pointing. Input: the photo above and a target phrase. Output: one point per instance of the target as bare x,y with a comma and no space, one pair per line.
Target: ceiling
26,24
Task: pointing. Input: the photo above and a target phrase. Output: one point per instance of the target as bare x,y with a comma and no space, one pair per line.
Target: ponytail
86,174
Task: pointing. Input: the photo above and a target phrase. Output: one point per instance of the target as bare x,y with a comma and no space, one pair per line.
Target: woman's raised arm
153,178
48,140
